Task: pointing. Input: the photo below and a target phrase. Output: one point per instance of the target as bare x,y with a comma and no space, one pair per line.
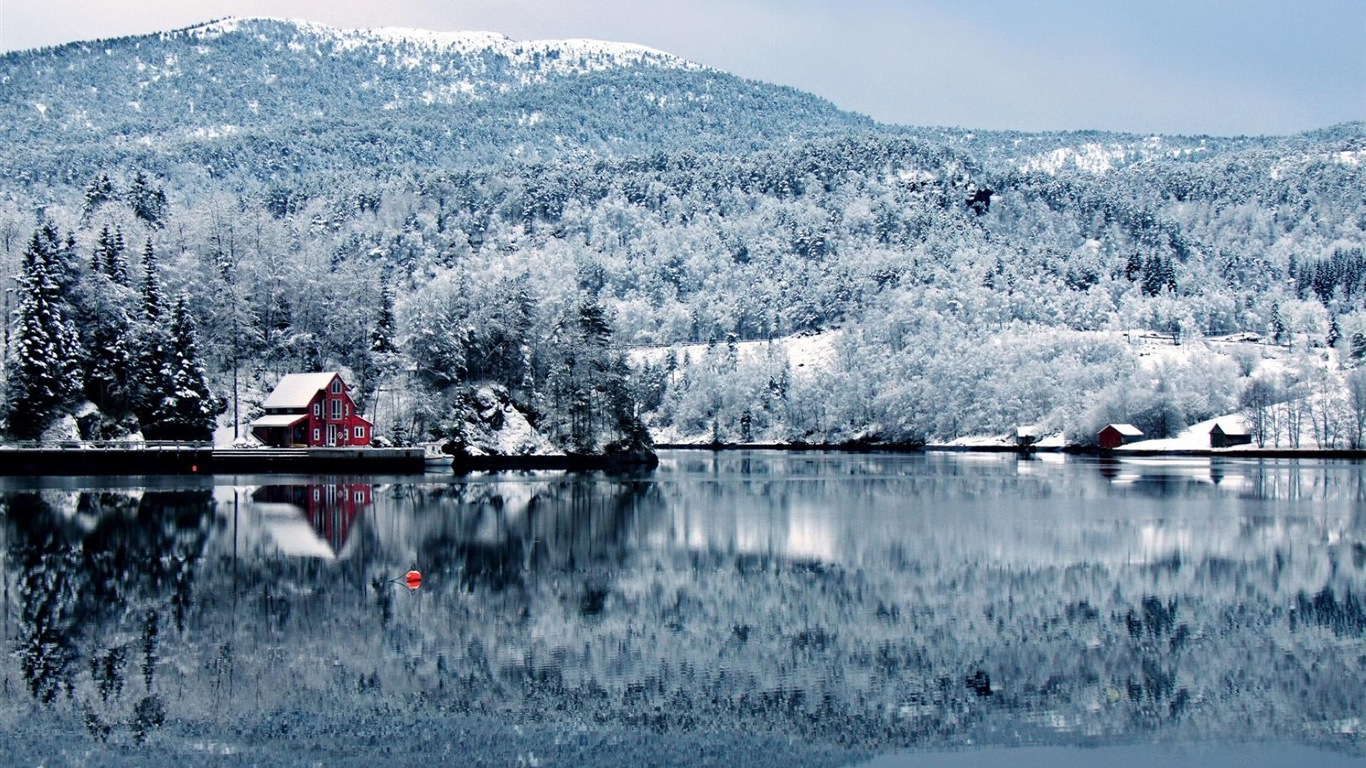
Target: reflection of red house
331,509
1115,435
311,409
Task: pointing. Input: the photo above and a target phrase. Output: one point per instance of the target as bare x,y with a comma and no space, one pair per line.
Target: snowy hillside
267,98
408,48
460,209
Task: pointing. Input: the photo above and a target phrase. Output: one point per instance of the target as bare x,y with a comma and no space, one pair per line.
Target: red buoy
413,579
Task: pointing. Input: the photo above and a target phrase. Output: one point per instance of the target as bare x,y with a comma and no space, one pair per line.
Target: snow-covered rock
492,425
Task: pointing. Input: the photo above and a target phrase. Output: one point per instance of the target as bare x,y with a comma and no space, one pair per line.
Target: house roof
1232,425
1125,429
296,390
280,420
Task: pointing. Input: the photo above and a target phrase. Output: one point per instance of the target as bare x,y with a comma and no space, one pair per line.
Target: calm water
757,608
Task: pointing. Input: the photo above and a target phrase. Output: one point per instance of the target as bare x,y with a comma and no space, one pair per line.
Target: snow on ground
503,430
1195,437
805,354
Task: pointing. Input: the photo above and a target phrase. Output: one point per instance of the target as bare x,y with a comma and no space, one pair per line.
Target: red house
312,410
1115,435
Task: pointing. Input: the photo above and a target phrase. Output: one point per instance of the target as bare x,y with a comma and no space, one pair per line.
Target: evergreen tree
186,408
99,191
151,284
110,381
108,258
382,337
1277,324
147,201
44,372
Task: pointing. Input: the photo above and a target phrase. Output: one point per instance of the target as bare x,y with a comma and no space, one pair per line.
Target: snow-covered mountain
261,97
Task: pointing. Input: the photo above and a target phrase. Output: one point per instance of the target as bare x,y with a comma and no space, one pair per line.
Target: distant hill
263,98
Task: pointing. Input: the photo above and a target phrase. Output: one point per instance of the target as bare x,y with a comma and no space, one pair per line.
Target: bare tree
1356,408
1258,405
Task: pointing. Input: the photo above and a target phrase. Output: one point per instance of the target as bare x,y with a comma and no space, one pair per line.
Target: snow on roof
280,420
1125,429
296,390
1232,425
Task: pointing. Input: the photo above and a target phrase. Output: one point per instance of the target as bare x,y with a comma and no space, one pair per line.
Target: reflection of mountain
313,520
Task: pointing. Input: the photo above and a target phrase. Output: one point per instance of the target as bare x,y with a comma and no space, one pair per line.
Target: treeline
87,334
969,299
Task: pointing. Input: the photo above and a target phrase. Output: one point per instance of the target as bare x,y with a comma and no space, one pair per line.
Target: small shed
1115,435
1224,435
1027,437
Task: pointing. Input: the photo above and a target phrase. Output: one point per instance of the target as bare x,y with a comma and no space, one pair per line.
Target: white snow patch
805,354
1351,157
514,436
547,56
1091,158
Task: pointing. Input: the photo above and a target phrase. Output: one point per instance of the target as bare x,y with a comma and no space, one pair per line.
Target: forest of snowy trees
972,282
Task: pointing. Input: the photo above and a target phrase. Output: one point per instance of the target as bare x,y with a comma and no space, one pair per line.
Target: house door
331,434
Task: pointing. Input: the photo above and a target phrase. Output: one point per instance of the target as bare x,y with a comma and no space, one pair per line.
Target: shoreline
1075,450
201,460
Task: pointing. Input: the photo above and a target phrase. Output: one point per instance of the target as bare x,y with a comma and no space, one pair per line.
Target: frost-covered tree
108,258
151,283
147,201
186,408
44,369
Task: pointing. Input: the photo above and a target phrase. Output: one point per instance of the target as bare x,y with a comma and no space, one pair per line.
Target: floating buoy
412,579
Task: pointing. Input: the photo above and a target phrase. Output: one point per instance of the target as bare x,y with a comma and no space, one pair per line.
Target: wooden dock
201,459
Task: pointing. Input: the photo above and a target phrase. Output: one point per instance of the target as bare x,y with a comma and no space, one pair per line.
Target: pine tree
1277,324
148,202
44,372
382,337
151,284
108,258
99,191
185,410
110,375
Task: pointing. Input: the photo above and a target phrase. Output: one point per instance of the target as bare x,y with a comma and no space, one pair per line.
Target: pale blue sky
1171,66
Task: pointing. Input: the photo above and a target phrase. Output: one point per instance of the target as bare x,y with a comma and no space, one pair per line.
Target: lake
739,607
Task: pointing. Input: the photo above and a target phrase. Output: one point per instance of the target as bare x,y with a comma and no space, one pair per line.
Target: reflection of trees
576,523
100,572
48,591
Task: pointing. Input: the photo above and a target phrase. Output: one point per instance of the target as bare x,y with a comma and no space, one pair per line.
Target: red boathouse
311,410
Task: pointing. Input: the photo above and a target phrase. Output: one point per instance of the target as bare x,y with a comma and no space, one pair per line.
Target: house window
336,409
336,386
317,435
318,410
360,496
360,433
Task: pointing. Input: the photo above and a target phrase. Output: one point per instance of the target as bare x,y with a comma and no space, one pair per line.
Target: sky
1219,67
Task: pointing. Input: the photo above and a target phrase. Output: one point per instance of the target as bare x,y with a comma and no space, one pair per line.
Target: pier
169,458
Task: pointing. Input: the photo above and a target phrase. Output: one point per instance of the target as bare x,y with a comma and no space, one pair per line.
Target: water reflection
868,601
313,520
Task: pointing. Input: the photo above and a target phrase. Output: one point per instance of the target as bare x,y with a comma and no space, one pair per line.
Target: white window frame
317,434
318,410
337,409
336,386
359,432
